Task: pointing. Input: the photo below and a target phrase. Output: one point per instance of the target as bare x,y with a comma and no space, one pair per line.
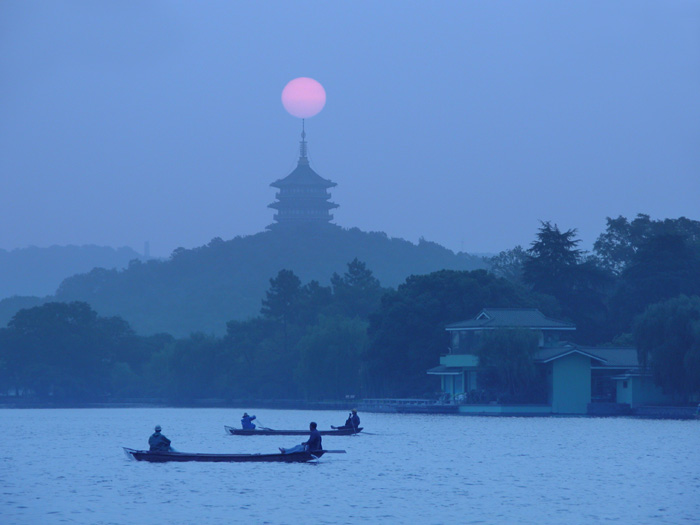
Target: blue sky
465,123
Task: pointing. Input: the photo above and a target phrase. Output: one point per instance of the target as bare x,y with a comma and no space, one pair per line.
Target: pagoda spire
303,159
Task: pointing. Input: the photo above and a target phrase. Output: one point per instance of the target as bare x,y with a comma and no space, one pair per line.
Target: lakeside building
578,379
303,196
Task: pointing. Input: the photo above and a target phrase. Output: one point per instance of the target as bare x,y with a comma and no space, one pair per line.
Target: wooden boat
271,432
162,457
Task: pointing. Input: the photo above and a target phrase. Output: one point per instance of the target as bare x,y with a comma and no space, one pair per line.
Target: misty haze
324,238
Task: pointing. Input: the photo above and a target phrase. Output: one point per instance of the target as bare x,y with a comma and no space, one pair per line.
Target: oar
335,452
261,427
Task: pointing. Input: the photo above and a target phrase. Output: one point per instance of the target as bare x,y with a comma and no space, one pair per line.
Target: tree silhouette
357,292
555,266
282,301
668,341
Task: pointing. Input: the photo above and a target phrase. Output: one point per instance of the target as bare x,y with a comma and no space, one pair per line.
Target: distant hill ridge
38,271
203,288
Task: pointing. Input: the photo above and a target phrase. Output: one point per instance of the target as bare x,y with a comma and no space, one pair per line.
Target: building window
624,384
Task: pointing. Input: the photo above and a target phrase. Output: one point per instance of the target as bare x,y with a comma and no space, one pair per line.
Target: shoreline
684,412
279,404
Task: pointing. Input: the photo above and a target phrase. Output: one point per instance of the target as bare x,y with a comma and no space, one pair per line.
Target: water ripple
421,469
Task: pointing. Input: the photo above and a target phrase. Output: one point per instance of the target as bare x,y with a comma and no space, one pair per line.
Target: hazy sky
463,122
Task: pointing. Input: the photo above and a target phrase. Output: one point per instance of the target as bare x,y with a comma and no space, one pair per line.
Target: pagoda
303,196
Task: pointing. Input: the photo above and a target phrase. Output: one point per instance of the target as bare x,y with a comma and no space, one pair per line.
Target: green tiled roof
616,357
550,353
606,357
492,318
443,370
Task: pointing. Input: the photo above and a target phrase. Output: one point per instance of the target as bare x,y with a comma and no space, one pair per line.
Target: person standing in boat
247,422
312,444
158,442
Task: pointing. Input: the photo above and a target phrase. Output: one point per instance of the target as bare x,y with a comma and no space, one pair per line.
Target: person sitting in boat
247,422
352,422
158,442
312,444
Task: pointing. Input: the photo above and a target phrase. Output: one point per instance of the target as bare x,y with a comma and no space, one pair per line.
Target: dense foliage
203,288
622,239
508,356
346,334
555,266
66,350
407,333
668,340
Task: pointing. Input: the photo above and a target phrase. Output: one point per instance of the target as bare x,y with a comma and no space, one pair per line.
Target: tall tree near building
622,239
665,266
552,260
555,266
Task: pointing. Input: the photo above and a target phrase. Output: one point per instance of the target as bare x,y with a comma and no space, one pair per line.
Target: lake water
67,466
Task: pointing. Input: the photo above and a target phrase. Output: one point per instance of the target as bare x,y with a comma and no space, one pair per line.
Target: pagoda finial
302,144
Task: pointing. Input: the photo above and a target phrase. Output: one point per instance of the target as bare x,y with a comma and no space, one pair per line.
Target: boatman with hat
158,442
247,422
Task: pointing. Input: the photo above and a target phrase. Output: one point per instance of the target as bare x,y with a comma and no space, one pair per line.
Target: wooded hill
201,289
640,287
34,271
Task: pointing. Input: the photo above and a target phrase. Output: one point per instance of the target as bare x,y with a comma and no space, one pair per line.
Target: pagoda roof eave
284,183
277,205
303,175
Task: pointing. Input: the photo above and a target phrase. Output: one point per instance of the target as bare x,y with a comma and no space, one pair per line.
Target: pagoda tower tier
303,195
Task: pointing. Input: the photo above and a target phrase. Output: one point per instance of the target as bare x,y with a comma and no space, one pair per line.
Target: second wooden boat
271,432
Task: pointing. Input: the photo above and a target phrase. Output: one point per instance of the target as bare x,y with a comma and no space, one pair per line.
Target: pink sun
303,97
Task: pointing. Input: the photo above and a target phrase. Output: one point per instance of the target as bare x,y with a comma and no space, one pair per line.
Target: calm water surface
67,466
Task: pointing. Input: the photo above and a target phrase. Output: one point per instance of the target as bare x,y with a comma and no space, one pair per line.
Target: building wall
506,410
457,360
571,384
640,390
